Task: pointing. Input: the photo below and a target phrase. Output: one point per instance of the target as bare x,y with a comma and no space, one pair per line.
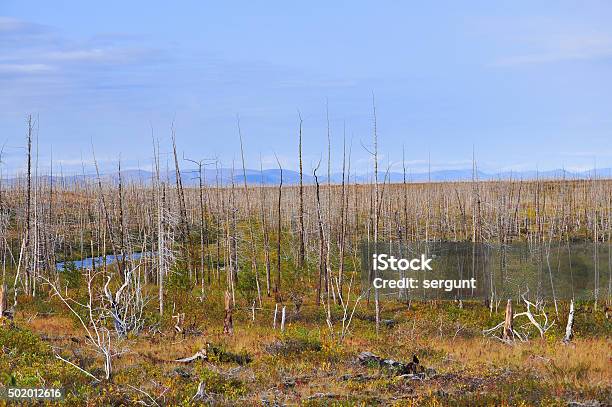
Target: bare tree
96,333
301,214
375,137
248,209
277,286
228,324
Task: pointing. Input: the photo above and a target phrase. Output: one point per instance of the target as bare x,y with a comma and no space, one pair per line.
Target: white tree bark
570,324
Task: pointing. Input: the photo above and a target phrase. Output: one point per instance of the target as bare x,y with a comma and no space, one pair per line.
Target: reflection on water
99,261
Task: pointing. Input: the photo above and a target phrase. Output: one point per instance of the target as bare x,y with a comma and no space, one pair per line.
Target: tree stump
570,324
508,333
228,324
283,320
3,302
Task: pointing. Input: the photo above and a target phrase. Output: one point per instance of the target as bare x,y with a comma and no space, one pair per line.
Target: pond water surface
99,261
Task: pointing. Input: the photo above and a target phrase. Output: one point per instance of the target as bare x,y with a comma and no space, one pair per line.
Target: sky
524,84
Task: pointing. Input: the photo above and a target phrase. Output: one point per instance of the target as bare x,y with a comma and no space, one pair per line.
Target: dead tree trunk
376,293
302,233
28,208
570,324
277,287
508,333
228,324
185,233
266,236
3,301
342,222
248,212
322,264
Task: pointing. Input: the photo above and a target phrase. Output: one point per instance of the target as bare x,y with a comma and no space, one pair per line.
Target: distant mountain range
224,176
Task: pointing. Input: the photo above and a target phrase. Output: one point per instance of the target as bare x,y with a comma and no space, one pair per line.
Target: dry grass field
220,260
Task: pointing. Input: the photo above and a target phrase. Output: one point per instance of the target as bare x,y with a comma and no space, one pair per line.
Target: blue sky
528,84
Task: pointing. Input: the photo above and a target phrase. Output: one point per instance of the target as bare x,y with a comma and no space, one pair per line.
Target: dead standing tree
538,320
228,322
569,333
343,215
185,233
301,214
375,137
248,211
322,256
277,286
508,331
96,333
165,224
266,233
27,233
126,306
107,216
203,208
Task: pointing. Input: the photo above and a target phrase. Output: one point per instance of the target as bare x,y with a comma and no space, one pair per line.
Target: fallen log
201,354
399,368
214,353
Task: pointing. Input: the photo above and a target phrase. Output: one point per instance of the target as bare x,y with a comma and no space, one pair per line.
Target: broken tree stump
202,395
283,320
570,324
180,318
228,324
3,302
508,332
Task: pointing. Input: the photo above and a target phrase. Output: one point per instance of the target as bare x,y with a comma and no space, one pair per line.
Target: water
99,261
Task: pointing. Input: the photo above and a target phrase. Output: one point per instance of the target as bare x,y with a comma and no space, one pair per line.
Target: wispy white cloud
10,24
61,52
587,154
558,56
39,65
550,46
95,54
98,55
31,68
13,25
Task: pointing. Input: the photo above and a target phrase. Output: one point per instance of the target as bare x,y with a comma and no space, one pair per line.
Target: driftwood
228,324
